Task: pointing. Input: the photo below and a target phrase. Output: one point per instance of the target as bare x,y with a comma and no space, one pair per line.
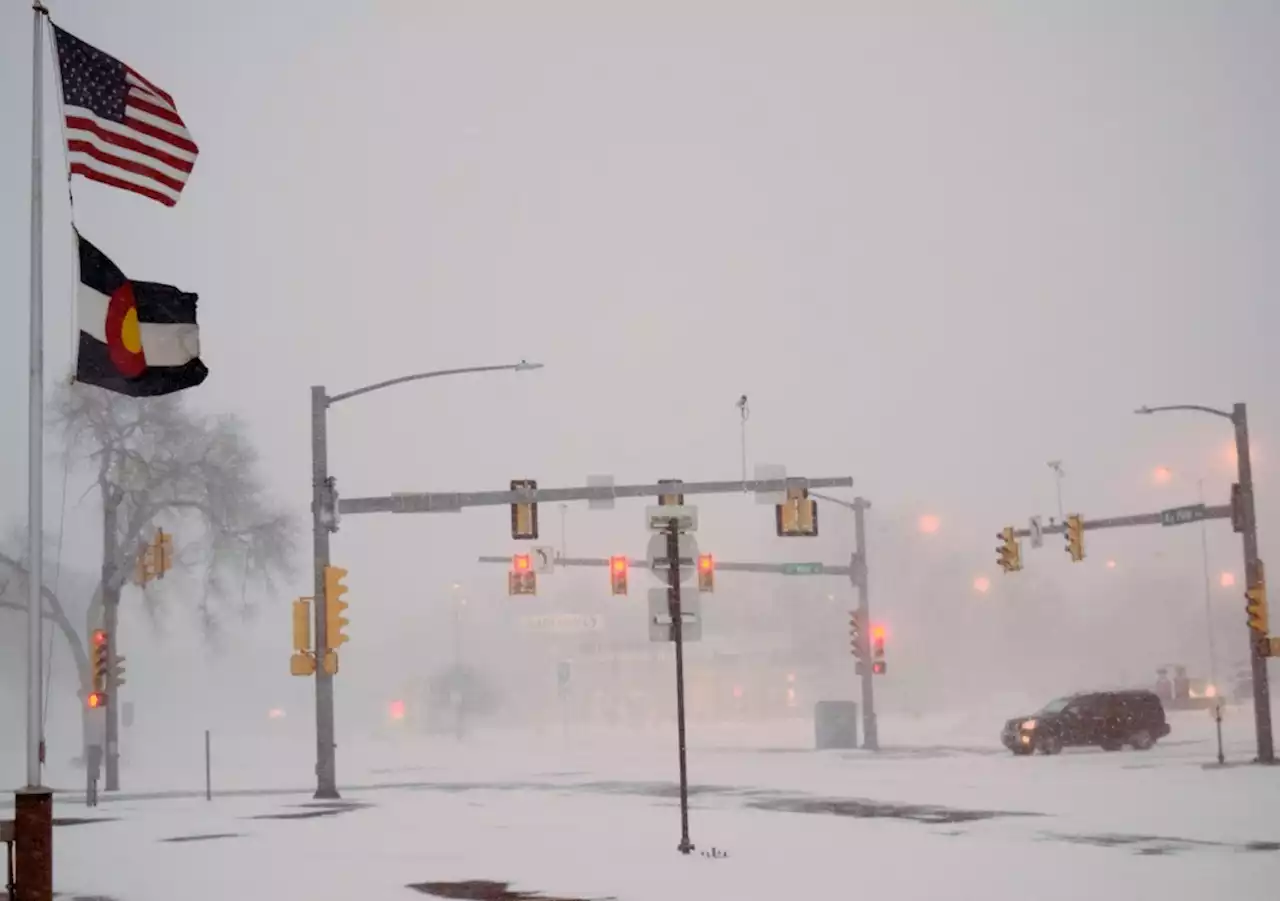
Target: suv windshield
1056,706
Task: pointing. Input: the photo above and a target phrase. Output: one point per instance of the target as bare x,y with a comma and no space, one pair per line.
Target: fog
937,245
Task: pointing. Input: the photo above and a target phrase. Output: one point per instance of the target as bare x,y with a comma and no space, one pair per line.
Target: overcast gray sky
937,244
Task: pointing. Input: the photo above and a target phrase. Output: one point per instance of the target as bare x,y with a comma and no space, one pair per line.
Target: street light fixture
1239,419
324,509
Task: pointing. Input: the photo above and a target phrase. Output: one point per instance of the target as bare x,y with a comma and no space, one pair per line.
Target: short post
208,769
33,844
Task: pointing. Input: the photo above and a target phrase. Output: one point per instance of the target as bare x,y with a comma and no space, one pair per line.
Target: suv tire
1049,744
1142,740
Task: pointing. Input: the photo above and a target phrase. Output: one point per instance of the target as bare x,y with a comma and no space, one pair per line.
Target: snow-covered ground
592,814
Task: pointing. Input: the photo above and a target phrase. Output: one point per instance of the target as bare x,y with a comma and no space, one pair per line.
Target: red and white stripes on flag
121,129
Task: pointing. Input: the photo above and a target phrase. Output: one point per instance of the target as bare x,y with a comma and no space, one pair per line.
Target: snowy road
597,819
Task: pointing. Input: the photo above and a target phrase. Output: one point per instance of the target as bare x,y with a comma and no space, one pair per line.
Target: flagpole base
33,844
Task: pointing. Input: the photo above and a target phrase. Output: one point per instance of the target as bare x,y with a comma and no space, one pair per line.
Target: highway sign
544,559
801,569
769,472
1037,532
600,482
1180,516
563,623
657,556
660,623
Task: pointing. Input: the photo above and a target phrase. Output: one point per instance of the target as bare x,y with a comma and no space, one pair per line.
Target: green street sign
1180,516
801,569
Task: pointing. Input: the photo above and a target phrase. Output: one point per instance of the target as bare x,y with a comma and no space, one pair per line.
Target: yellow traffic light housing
1074,532
855,635
706,573
303,662
524,516
1257,606
797,516
335,622
161,554
1009,551
99,661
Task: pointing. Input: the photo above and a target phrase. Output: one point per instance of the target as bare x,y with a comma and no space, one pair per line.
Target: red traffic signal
521,563
96,699
706,573
618,575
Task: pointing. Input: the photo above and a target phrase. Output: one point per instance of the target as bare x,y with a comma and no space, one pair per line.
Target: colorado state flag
136,338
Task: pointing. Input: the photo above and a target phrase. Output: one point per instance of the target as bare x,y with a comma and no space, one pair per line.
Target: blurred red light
619,564
396,710
705,562
521,562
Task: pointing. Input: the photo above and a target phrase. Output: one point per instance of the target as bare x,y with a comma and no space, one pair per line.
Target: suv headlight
1028,724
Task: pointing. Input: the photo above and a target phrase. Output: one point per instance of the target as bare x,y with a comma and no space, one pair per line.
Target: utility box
835,725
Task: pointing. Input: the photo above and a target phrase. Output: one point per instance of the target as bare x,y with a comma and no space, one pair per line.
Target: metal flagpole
33,805
35,425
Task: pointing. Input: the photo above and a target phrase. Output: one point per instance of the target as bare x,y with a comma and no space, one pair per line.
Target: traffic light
877,650
161,554
119,670
98,662
855,635
797,516
1008,552
618,567
302,663
1074,532
675,499
524,516
1257,606
522,579
706,573
333,607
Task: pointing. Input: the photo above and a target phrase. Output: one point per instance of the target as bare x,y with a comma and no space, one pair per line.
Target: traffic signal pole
677,629
1254,580
326,748
870,729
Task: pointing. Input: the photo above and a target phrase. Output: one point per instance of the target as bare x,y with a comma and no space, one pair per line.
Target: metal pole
326,767
1258,663
208,769
677,625
35,409
870,732
564,512
33,805
1208,623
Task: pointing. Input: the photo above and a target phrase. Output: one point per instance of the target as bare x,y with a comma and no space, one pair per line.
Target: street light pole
1253,576
323,522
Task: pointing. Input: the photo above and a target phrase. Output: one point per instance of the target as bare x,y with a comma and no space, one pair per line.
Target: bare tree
156,463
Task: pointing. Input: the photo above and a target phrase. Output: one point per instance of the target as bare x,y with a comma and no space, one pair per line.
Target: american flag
121,129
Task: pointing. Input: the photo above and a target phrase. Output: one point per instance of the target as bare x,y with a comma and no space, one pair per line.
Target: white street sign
766,472
1037,532
600,482
563,623
659,517
659,566
660,624
544,559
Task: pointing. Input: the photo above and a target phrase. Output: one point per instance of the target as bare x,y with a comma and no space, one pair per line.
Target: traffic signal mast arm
1222,511
822,569
451,502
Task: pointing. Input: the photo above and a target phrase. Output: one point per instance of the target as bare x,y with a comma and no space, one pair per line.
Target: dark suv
1108,719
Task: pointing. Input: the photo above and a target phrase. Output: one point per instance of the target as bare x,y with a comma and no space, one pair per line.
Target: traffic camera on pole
522,579
524,515
618,567
1008,552
877,650
1257,606
1074,533
706,573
